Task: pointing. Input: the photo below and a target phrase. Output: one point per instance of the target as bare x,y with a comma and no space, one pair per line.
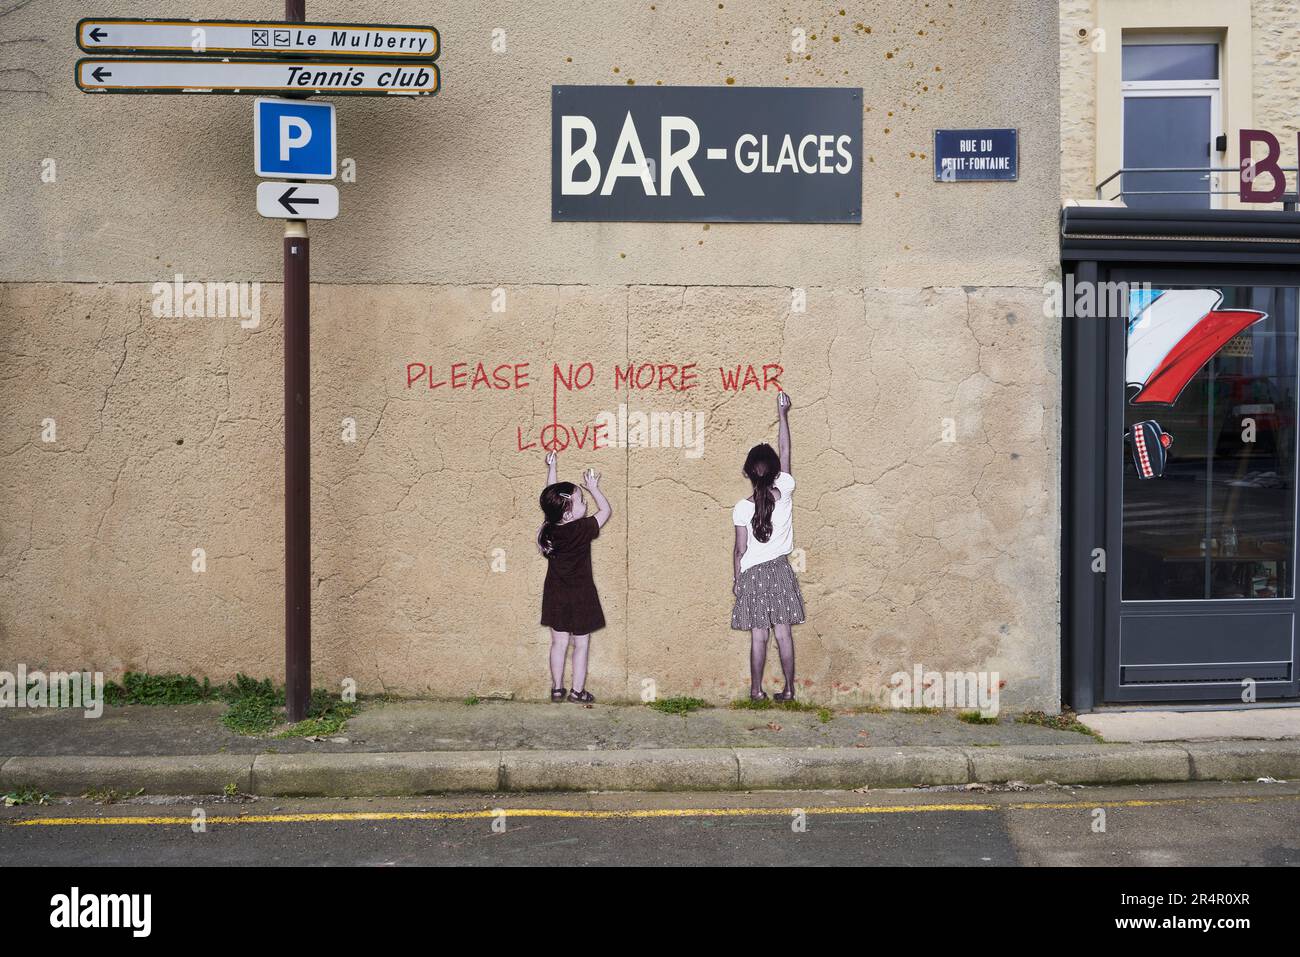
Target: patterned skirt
769,595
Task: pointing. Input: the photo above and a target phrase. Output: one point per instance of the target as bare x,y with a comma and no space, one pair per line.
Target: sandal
557,695
761,696
786,695
581,697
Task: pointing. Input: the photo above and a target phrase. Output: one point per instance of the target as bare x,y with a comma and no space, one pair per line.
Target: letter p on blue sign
294,139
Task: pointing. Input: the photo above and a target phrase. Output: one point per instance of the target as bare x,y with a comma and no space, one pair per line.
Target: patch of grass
326,715
140,688
1065,721
230,790
679,704
381,697
472,700
25,796
974,717
767,704
919,710
254,705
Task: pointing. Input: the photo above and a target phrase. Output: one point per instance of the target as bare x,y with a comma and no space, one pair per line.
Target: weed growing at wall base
678,705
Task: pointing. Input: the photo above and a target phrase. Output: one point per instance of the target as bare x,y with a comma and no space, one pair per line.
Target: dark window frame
1213,247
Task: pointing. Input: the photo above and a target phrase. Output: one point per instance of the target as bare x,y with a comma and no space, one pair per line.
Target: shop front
1179,473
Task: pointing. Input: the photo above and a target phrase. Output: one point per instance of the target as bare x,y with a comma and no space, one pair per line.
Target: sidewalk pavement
1266,724
426,747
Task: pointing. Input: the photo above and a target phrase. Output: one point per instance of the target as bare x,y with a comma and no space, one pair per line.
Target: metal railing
1288,200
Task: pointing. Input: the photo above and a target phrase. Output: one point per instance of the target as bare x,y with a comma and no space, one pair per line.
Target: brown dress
569,599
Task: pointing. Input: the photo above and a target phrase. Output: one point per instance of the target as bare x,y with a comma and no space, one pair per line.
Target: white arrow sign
255,38
297,200
333,78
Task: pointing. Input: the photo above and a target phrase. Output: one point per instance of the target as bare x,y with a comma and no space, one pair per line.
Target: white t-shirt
782,540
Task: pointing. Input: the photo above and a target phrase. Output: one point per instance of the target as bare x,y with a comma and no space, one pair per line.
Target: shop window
1210,432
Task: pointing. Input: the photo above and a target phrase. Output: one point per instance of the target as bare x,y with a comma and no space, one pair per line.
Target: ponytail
762,466
764,503
546,538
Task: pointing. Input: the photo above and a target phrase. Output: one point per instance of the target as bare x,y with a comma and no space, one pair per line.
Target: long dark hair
555,502
762,466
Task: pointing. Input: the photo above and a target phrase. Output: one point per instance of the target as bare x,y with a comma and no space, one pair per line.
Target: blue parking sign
294,139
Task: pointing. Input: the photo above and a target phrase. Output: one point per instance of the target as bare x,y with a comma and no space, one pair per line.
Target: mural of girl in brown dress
570,603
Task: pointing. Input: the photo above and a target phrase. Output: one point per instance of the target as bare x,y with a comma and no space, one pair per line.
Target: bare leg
785,647
559,648
757,659
580,661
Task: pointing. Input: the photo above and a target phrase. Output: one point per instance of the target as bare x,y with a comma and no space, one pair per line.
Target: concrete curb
377,774
642,769
1081,764
1243,760
188,774
842,769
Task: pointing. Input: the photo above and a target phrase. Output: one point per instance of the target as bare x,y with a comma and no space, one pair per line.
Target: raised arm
737,551
783,430
591,479
551,477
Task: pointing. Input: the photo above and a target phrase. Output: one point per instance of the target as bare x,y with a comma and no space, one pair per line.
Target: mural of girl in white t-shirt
766,589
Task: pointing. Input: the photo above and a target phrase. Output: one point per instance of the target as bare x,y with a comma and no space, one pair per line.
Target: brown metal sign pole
297,454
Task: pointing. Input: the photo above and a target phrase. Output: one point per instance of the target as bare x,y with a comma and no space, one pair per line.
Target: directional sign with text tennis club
354,77
255,38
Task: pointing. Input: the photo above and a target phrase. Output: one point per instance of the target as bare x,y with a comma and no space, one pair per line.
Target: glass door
1205,396
1171,121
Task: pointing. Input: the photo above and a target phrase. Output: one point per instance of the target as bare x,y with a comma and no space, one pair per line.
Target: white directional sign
297,200
332,78
255,38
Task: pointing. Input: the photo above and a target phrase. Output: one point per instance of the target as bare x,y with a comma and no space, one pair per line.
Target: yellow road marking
344,816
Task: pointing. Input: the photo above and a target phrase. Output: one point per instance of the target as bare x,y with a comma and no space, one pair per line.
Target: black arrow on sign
99,73
287,199
97,34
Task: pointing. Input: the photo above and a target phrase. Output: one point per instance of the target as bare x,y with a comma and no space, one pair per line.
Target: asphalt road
1208,824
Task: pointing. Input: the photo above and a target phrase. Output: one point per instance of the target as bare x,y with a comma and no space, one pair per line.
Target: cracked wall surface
927,317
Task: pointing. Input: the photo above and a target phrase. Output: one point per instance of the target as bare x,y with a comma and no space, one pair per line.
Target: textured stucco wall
1079,43
169,430
1276,32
